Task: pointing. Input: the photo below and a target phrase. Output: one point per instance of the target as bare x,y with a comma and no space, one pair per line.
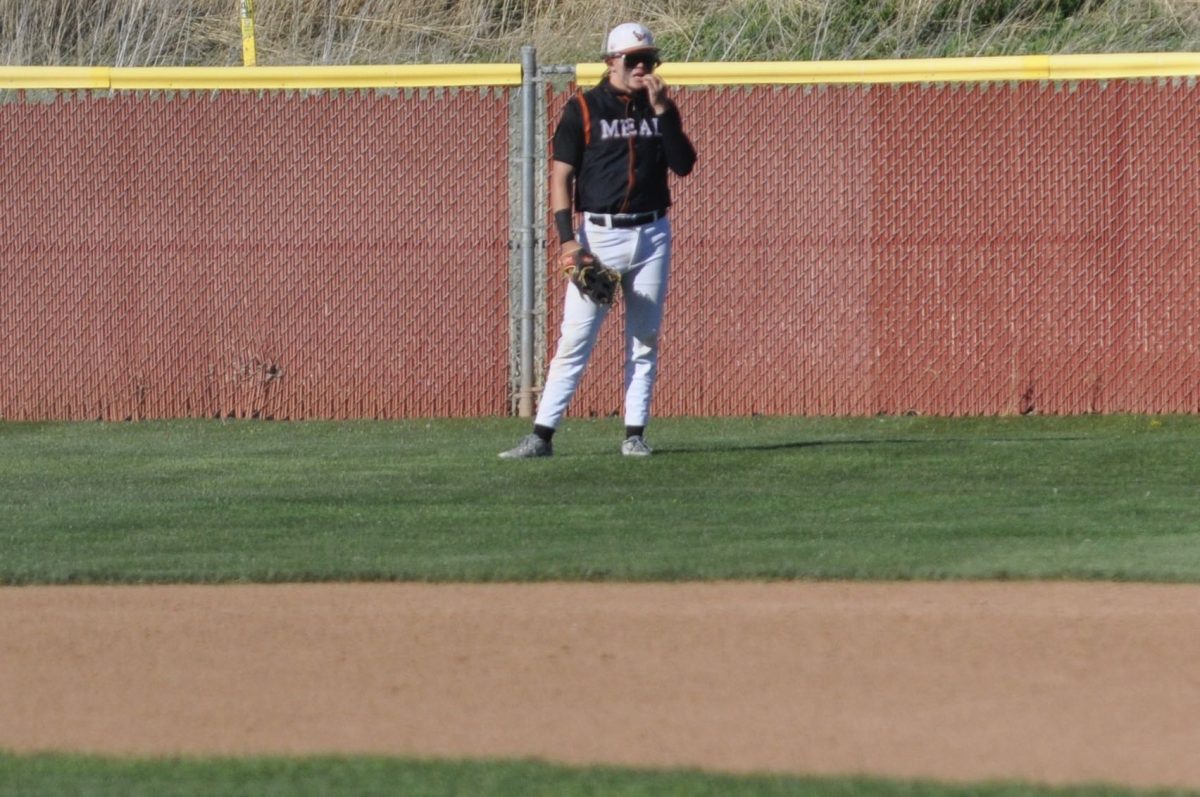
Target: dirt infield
1055,683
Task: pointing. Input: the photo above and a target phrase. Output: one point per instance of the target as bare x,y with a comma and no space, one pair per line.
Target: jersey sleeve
568,136
681,155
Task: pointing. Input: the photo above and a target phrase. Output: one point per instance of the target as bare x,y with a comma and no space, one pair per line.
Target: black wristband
562,222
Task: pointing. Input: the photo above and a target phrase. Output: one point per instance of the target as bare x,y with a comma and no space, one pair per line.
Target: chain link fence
990,248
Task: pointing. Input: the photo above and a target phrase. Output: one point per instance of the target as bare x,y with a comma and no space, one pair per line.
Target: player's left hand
656,92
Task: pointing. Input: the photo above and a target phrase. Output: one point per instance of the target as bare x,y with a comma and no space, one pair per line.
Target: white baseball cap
629,37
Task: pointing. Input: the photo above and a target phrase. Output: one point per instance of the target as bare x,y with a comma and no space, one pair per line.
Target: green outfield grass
1098,497
69,776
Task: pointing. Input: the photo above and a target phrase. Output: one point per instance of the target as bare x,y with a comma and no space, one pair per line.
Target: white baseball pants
643,256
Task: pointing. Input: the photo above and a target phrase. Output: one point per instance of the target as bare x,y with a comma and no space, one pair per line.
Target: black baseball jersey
622,157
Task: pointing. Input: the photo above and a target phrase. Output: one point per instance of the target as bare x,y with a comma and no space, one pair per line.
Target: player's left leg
645,292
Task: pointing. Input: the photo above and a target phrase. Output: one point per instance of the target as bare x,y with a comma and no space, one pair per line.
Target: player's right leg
582,319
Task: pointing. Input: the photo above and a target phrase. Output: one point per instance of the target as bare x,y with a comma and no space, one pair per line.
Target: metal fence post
529,82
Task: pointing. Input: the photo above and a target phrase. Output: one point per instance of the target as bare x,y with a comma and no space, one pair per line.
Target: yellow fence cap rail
922,70
910,70
1128,65
262,77
54,77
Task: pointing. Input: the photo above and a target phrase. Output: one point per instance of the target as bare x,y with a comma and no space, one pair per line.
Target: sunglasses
649,60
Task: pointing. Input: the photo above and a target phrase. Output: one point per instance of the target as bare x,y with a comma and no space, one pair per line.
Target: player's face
629,71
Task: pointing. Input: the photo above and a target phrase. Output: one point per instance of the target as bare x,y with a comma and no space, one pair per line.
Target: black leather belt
613,220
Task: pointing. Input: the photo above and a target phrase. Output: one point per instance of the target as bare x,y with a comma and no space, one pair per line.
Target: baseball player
612,149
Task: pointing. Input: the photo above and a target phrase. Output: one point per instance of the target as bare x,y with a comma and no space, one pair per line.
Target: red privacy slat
839,251
279,255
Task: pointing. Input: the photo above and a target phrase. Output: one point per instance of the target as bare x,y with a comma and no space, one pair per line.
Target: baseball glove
594,280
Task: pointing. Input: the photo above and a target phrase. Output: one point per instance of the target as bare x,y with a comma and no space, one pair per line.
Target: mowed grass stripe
1095,497
70,775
